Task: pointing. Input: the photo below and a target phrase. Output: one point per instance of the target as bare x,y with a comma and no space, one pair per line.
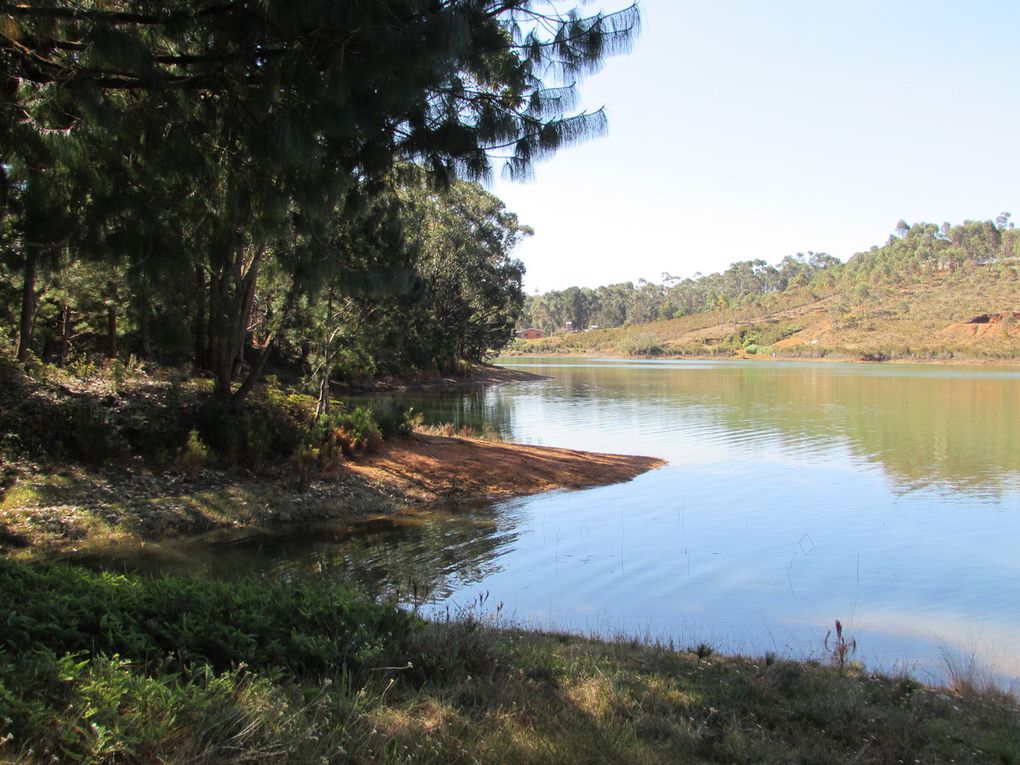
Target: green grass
120,668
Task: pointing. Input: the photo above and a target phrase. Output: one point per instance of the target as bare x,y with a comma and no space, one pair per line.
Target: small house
530,334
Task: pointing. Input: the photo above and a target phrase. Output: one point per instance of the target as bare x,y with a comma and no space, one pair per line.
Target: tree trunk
111,330
210,326
266,346
254,373
247,299
322,406
28,304
144,316
201,350
64,342
234,296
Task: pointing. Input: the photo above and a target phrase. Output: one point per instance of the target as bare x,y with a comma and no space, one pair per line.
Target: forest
229,186
912,255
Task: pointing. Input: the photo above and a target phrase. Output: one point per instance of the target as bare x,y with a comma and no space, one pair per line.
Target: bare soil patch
426,468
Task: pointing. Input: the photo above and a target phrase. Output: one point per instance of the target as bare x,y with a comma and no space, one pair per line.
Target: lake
887,496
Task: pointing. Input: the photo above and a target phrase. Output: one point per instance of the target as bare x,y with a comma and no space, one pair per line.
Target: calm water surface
885,496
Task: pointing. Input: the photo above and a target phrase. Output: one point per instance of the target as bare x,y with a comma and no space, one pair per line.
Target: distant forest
911,253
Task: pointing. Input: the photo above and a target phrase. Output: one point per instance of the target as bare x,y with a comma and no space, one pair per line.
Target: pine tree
265,118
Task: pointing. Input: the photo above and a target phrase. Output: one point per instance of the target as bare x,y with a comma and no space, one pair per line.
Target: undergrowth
97,667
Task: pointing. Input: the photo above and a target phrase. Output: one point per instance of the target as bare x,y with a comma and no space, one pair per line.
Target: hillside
929,294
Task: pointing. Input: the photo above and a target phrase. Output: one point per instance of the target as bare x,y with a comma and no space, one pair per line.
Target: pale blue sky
743,129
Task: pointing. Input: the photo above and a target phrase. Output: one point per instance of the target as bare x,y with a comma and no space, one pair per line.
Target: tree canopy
188,144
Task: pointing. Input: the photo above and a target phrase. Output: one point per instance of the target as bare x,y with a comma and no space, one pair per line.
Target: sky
741,129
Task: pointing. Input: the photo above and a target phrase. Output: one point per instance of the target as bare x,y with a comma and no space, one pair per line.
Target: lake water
795,493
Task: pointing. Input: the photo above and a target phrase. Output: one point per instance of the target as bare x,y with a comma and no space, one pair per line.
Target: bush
194,455
307,463
353,431
113,668
332,437
93,437
307,629
640,344
395,419
250,436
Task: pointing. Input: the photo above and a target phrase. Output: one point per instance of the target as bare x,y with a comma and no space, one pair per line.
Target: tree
292,107
471,288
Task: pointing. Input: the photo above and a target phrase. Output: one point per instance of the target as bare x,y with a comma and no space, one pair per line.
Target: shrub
355,430
306,628
250,436
333,437
307,464
194,455
640,344
395,419
93,437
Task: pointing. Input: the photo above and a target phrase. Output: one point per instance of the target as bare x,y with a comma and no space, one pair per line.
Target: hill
930,293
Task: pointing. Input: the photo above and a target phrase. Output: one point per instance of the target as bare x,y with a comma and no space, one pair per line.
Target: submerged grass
96,667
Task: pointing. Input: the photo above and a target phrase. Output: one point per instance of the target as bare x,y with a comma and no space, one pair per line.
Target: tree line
219,182
912,252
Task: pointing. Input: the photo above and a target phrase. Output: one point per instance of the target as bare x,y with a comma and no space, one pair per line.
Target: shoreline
77,507
52,505
477,376
592,354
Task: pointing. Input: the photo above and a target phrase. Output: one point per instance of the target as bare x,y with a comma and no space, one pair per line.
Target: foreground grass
114,668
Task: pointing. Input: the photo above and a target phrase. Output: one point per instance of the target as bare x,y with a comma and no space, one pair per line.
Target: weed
83,367
306,464
114,668
702,651
117,373
251,436
351,432
841,649
92,434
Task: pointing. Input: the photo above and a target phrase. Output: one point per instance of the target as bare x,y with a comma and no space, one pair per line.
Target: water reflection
413,557
926,427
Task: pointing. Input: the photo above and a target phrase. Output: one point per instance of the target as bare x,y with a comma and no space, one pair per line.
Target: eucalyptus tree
470,293
290,106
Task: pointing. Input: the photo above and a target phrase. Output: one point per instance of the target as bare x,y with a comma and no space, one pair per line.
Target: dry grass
910,321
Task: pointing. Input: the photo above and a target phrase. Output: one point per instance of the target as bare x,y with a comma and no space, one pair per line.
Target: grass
120,668
80,505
